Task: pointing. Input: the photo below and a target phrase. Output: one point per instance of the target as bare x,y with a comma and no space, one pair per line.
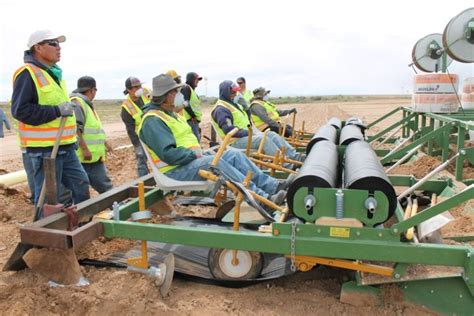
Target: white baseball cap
43,35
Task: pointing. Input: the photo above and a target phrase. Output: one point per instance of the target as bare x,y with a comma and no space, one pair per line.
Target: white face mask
237,98
139,92
266,97
178,100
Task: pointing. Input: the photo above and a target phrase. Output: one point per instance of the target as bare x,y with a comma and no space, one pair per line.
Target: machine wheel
249,266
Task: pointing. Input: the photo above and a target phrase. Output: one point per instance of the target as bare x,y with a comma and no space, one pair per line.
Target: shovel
16,262
429,229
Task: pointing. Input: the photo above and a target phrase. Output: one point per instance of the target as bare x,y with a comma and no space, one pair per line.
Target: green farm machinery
345,209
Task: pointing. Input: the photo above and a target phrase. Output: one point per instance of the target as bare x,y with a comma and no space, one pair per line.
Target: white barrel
435,83
435,103
468,85
467,101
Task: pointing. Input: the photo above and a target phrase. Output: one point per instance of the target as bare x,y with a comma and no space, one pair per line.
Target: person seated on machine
228,114
265,115
177,153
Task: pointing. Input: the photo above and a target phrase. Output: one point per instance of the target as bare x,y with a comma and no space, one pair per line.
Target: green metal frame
364,243
446,140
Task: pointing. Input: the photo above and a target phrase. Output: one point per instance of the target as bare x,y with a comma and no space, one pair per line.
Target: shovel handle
54,153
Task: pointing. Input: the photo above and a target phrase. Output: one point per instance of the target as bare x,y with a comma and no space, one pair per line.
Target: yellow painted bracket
304,263
142,261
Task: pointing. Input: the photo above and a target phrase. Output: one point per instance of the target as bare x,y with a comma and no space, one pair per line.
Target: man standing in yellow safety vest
265,115
245,93
39,101
131,115
93,147
192,103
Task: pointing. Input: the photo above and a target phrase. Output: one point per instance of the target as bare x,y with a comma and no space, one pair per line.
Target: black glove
293,110
66,109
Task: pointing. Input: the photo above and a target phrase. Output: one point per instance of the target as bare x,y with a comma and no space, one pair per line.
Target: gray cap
164,83
260,92
130,83
85,83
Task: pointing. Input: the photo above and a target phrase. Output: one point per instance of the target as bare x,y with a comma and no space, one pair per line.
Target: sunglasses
240,83
53,43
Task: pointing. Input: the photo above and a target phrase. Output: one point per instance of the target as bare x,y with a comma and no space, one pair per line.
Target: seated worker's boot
278,198
285,184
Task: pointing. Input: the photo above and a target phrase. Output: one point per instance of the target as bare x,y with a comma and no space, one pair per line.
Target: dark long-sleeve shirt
260,111
158,136
129,122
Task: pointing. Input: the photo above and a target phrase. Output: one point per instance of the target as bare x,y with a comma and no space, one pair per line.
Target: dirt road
119,292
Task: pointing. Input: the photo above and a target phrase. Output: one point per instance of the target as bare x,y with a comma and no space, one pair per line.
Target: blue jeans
98,177
28,165
195,128
142,167
69,172
272,144
235,164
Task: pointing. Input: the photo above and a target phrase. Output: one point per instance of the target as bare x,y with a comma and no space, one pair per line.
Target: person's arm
286,112
260,111
130,127
224,119
25,107
157,135
80,122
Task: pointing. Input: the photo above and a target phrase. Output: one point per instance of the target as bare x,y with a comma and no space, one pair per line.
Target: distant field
109,110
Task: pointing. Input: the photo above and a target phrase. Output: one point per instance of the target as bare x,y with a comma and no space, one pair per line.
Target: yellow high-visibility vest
195,104
49,94
271,110
240,117
247,95
182,133
93,135
133,109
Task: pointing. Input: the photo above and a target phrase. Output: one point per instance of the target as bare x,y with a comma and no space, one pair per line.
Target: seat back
168,184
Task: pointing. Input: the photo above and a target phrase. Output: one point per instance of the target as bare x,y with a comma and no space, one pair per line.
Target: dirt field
118,292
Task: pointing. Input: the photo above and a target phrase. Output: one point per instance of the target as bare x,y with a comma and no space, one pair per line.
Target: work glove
66,109
293,110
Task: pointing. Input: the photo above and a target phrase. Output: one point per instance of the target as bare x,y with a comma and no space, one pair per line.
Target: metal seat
167,184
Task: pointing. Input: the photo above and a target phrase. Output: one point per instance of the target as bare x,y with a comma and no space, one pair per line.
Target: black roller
325,132
350,133
363,170
318,171
334,121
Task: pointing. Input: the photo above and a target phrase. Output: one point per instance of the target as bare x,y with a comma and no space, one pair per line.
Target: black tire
214,265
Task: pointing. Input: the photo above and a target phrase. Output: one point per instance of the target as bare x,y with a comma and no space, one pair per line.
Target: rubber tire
217,273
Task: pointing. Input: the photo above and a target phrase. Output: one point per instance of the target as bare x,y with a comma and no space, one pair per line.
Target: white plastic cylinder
13,178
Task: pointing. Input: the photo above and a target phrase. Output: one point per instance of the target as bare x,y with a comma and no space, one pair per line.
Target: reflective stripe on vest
239,116
182,133
93,135
133,109
49,94
271,112
195,104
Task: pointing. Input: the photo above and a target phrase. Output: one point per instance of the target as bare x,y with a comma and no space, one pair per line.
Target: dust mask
178,100
139,92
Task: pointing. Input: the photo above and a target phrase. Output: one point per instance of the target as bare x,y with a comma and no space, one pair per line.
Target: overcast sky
291,47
